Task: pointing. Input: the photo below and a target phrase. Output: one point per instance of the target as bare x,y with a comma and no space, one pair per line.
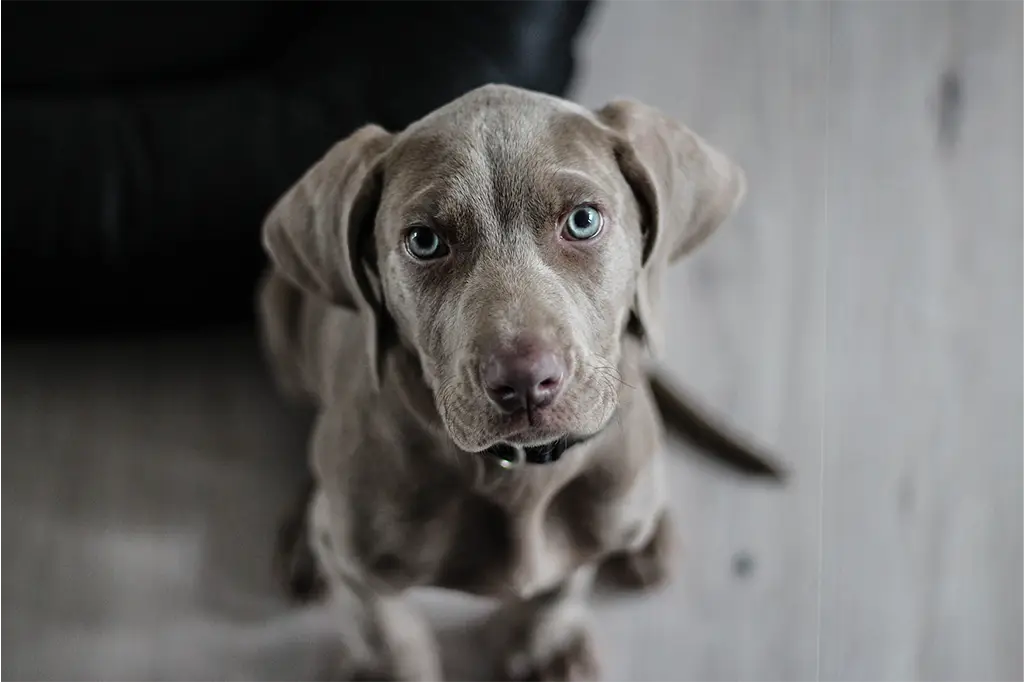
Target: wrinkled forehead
497,163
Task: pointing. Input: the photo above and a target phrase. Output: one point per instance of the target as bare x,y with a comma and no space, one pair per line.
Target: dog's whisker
608,371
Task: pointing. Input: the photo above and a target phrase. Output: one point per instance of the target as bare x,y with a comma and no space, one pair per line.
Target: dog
472,306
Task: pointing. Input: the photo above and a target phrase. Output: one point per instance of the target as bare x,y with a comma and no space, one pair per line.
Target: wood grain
922,489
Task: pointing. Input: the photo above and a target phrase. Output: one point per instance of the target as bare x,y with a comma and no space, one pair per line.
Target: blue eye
425,244
583,223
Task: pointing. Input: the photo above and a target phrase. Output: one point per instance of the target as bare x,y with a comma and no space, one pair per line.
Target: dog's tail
685,420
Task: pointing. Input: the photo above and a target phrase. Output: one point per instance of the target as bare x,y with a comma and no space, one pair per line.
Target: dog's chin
516,431
530,438
479,429
532,445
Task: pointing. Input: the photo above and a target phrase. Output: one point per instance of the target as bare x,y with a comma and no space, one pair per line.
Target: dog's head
510,240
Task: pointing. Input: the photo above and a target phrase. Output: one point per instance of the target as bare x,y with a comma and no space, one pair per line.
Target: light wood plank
922,571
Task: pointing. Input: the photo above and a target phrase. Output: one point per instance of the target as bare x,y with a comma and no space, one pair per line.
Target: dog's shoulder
315,349
392,489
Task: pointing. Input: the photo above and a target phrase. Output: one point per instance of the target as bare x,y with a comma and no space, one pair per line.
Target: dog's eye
425,244
583,223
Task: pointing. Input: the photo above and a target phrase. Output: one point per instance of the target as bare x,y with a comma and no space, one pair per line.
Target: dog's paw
571,659
295,565
383,667
649,567
542,640
369,675
382,675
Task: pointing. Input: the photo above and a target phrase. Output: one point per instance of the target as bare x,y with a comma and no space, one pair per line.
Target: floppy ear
319,235
685,189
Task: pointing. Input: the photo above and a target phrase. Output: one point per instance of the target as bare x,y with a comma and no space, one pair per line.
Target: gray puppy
472,304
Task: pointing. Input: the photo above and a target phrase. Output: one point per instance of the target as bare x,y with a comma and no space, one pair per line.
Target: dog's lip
518,432
525,436
530,438
520,428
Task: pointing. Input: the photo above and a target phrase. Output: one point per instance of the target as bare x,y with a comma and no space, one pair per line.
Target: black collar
537,454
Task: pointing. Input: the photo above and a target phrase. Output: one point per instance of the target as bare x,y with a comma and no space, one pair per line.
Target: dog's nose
525,379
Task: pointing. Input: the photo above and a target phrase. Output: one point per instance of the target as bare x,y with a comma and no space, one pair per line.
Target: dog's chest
521,540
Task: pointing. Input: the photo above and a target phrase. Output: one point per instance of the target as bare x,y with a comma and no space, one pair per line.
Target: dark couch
146,140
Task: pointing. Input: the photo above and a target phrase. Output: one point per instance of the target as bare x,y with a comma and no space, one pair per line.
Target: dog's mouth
545,453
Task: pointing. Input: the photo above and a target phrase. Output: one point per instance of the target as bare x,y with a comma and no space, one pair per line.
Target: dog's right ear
314,234
319,235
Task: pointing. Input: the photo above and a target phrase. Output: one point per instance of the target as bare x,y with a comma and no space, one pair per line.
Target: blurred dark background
146,140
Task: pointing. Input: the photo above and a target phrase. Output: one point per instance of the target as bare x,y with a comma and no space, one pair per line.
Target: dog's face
508,244
511,239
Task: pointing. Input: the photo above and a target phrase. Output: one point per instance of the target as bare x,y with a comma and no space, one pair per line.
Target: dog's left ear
685,189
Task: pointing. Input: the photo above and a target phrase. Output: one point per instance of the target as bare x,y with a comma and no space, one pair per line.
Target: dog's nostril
523,380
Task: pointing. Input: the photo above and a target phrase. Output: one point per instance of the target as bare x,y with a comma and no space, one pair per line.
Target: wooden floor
862,316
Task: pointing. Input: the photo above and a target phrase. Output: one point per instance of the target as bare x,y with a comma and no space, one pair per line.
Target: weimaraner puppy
472,305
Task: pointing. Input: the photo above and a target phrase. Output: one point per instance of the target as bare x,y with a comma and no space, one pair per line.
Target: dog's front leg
382,636
547,636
